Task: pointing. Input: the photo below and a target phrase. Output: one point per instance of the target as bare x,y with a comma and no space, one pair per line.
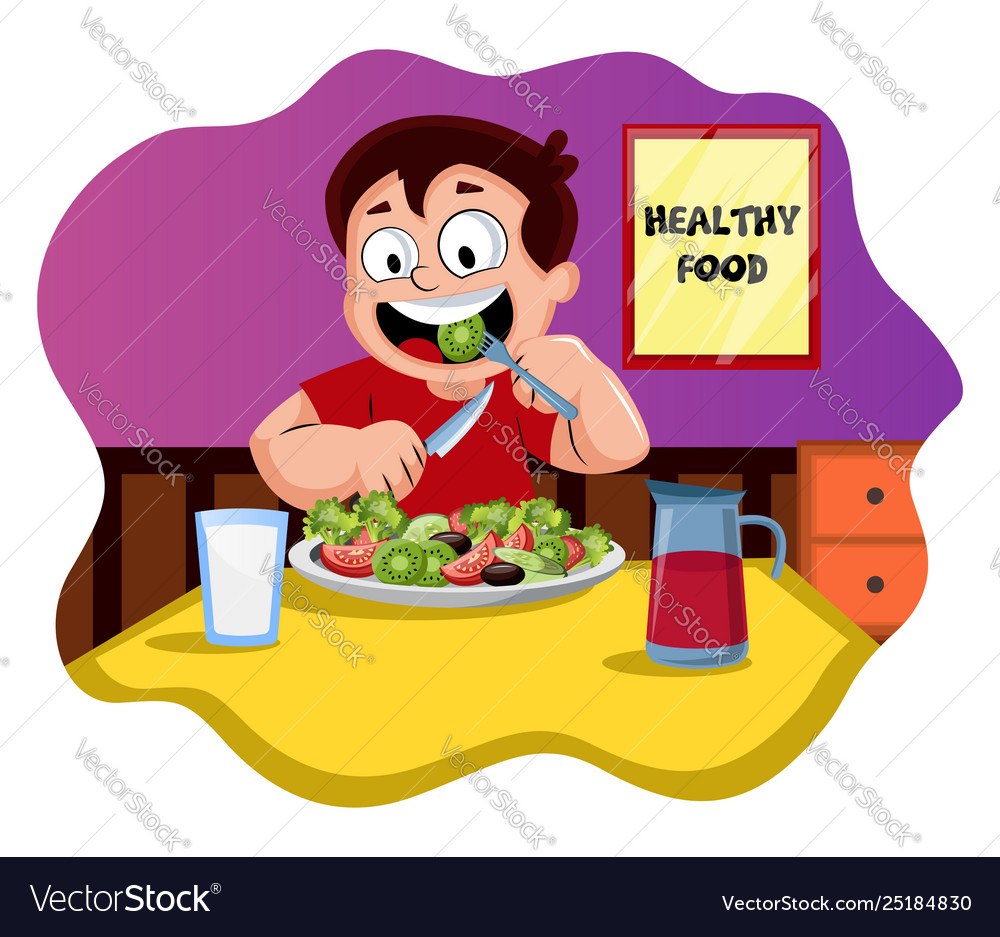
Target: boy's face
464,259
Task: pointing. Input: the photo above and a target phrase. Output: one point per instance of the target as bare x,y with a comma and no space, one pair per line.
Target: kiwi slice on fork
459,341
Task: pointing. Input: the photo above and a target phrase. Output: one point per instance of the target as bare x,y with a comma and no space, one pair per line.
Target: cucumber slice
425,526
537,576
531,563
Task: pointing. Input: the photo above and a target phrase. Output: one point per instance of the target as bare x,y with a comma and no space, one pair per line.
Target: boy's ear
561,282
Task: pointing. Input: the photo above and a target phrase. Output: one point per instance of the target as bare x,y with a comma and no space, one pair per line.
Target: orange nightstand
859,539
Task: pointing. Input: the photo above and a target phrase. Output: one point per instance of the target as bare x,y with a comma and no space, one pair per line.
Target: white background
918,723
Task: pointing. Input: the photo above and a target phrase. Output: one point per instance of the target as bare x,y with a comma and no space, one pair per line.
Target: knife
452,430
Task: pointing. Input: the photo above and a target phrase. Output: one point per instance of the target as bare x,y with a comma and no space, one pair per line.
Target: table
368,709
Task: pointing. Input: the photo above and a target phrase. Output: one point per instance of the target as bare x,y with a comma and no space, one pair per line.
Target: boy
456,226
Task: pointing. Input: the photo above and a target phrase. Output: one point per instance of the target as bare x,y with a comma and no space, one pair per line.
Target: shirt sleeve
343,395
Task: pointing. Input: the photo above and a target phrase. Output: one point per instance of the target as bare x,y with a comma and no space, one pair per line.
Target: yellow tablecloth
567,676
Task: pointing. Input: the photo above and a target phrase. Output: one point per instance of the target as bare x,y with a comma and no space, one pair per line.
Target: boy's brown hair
420,148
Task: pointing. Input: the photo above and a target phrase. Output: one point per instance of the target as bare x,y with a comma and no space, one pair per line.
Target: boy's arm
609,434
303,460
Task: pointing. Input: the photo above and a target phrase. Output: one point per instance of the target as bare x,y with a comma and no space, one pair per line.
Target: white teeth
442,310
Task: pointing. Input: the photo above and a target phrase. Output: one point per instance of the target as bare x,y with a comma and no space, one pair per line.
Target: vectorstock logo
867,433
503,433
134,802
141,439
323,254
865,796
684,616
873,68
138,898
501,801
655,224
503,67
323,622
142,72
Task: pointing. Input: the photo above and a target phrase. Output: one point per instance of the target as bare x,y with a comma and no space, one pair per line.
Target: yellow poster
724,265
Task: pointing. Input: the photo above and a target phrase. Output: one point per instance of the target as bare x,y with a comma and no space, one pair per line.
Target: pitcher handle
779,538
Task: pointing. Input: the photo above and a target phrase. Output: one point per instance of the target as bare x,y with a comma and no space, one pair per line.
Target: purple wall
170,285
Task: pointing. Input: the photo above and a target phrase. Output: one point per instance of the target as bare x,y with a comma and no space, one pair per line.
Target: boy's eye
389,253
472,241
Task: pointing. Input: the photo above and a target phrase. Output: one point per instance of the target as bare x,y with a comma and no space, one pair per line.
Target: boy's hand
389,452
563,362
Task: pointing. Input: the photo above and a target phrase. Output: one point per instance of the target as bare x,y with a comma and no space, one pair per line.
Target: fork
496,351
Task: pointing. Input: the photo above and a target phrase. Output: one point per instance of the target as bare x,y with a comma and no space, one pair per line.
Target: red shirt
494,459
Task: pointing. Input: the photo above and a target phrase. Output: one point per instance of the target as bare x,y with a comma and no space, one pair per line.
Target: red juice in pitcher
696,601
697,609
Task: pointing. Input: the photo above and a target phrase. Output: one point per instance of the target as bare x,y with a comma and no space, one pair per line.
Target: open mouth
417,327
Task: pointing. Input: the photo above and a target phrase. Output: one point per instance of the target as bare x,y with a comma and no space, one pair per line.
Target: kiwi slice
399,562
531,563
437,554
459,341
425,526
554,548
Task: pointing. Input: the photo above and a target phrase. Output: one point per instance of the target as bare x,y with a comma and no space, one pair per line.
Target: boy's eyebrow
463,188
378,209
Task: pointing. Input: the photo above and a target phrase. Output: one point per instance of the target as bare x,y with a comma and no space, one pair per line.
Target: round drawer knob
875,584
875,495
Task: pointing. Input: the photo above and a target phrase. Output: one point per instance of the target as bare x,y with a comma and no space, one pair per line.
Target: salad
497,543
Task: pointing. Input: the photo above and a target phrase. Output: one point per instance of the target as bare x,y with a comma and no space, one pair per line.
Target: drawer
870,583
857,494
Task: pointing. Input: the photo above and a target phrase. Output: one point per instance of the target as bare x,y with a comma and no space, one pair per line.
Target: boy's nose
424,286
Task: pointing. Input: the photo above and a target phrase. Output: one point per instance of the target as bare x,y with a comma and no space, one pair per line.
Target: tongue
422,350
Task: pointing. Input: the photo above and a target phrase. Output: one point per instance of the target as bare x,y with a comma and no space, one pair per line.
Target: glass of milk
241,556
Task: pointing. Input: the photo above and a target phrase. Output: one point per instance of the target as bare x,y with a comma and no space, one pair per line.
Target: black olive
457,541
502,574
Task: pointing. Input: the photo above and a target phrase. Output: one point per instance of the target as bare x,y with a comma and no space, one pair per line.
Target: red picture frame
635,362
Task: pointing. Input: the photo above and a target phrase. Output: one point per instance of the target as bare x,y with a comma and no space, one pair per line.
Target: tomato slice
576,550
354,559
363,537
521,539
454,523
466,569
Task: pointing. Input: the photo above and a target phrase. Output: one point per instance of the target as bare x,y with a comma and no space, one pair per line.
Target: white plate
304,557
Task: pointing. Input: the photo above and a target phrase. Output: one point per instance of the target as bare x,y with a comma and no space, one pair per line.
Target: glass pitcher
697,608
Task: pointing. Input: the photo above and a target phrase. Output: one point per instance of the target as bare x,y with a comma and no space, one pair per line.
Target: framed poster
721,246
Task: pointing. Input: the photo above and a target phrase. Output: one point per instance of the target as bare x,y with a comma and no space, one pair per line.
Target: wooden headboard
143,552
